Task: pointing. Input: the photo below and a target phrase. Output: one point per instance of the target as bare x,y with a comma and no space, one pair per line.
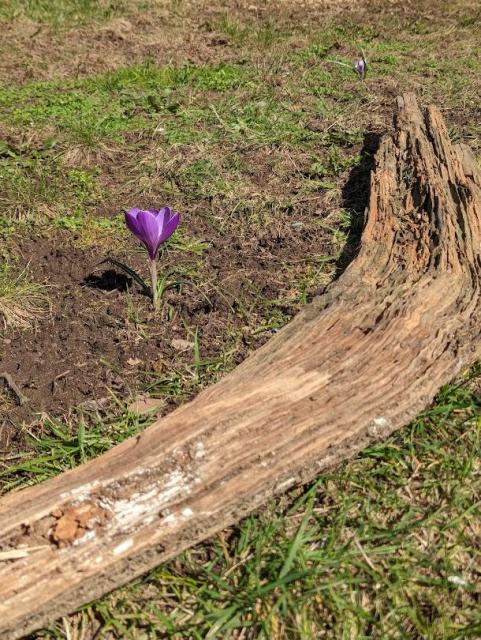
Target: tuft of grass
91,110
22,302
61,13
38,186
54,447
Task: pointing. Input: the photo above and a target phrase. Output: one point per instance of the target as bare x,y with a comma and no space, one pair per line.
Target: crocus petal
152,226
165,212
163,216
360,67
149,232
165,219
169,227
131,220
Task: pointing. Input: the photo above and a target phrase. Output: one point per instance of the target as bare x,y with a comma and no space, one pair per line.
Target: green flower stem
153,278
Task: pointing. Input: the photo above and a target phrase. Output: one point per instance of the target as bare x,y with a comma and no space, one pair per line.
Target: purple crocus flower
360,67
152,227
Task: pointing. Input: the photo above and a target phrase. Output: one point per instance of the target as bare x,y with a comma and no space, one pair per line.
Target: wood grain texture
356,364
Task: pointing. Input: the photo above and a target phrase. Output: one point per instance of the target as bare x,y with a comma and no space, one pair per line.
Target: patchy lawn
238,116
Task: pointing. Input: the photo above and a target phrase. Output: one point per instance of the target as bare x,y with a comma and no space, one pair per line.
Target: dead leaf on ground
146,405
182,345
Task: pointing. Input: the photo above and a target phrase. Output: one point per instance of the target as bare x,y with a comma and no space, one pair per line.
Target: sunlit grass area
262,140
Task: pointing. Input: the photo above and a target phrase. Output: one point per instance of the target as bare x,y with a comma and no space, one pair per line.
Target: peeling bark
355,365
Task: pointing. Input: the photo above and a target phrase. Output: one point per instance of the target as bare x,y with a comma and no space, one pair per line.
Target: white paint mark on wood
286,484
199,450
382,423
170,519
378,426
145,507
123,547
88,535
81,493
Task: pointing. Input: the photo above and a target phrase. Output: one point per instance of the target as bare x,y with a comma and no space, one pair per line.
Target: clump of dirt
102,335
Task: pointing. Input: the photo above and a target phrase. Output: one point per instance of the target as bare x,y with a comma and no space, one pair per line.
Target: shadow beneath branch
355,200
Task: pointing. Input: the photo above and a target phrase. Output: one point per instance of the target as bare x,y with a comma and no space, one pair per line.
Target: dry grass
22,302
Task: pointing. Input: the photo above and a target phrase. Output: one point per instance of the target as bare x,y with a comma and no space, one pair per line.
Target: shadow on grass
355,199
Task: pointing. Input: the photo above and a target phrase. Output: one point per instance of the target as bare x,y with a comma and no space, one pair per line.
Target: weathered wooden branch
356,364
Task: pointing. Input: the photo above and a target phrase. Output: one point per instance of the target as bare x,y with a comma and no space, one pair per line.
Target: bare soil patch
102,336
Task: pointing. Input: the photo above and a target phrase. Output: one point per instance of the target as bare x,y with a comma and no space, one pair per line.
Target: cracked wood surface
354,365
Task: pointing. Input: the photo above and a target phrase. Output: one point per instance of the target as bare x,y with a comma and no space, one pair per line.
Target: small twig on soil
342,64
36,32
57,378
223,122
10,383
363,553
